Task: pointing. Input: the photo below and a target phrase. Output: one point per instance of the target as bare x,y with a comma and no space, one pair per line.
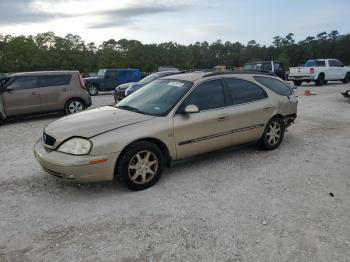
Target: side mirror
191,109
9,88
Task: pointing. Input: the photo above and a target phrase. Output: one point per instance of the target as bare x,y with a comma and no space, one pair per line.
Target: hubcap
273,133
75,107
93,90
143,167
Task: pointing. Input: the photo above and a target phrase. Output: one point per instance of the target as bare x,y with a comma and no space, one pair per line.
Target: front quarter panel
160,128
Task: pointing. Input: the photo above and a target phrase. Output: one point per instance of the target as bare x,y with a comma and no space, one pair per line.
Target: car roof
267,61
192,77
44,73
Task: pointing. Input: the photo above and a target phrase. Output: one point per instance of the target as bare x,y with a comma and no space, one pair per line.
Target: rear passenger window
208,95
54,80
243,91
275,85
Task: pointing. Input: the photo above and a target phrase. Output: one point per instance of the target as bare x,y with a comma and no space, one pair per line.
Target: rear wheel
140,166
320,80
325,82
297,82
273,134
92,89
74,105
347,78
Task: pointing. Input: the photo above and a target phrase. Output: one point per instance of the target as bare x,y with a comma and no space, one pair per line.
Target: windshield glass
101,73
3,80
150,78
157,98
315,63
252,66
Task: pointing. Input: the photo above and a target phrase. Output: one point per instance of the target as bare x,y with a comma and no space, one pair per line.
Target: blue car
124,90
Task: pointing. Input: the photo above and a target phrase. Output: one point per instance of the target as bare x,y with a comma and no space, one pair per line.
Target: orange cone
307,92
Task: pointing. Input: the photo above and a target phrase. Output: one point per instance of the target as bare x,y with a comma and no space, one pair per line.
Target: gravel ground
236,205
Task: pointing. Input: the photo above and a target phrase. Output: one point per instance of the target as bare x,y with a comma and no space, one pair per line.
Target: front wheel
347,78
297,83
320,80
140,166
73,106
92,90
273,134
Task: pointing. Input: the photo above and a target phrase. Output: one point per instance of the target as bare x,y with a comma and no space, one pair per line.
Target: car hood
92,78
92,123
127,85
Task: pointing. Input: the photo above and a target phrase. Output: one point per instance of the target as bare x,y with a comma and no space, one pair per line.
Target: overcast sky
182,21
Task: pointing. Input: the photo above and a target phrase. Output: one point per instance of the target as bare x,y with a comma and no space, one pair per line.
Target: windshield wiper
130,108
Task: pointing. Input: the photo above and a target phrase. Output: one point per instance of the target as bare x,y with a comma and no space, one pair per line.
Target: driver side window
25,82
206,96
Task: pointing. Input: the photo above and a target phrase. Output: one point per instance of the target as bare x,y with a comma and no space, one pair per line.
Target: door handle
267,108
34,93
64,89
223,117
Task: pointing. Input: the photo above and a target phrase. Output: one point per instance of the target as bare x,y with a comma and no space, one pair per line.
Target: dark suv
267,66
108,79
124,90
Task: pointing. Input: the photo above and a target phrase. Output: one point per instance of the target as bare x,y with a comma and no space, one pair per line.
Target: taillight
312,71
82,83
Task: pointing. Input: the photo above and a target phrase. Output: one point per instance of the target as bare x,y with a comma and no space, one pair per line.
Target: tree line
46,51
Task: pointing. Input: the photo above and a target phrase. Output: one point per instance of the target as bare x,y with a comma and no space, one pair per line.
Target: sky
181,21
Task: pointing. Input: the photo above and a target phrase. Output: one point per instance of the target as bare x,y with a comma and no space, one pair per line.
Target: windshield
252,66
101,73
157,98
315,63
150,78
3,80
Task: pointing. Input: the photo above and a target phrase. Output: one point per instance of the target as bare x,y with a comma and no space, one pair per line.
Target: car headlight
76,146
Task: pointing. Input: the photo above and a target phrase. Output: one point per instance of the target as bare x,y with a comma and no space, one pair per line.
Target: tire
325,82
297,82
320,80
140,166
272,139
74,105
346,80
92,89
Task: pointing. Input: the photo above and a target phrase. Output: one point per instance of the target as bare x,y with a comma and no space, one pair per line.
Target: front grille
49,140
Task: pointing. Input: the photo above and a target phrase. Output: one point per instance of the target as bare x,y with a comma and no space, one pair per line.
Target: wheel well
95,84
321,74
278,116
155,141
70,99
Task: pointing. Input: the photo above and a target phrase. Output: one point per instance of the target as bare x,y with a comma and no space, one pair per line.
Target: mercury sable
172,118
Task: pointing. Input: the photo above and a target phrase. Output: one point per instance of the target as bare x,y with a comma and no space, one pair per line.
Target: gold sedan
167,120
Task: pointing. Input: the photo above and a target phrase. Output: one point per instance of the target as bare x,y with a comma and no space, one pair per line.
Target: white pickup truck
320,71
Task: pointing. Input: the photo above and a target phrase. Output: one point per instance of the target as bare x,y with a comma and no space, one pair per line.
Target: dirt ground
291,204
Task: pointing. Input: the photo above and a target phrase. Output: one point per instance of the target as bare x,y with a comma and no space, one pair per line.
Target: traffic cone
307,92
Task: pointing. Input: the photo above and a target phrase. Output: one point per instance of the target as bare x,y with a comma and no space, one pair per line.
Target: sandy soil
236,205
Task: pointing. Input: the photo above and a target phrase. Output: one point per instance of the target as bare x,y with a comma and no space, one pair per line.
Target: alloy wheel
273,133
143,166
92,90
75,107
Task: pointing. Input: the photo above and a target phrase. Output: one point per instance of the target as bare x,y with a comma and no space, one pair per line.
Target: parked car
41,92
108,79
267,66
320,71
124,90
167,68
172,118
